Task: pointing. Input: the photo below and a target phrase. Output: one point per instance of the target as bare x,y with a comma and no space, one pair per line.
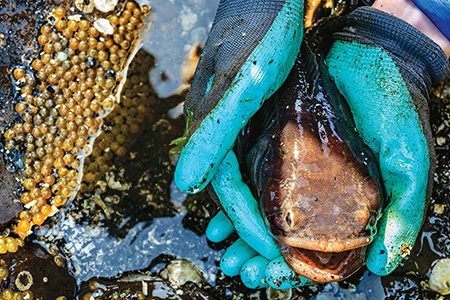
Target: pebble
440,277
440,140
180,271
439,209
278,294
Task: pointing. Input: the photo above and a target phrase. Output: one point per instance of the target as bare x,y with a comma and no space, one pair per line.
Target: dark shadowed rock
33,268
10,207
139,286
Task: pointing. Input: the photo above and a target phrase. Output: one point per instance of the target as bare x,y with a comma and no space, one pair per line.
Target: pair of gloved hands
384,69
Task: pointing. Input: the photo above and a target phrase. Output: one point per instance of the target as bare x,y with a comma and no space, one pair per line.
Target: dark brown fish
316,179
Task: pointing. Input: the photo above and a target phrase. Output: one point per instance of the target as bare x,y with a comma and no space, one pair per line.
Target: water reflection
96,253
177,26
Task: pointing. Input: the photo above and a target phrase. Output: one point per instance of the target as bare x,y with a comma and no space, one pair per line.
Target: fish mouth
324,267
335,244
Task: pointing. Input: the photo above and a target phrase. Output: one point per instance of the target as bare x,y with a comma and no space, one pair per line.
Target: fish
318,183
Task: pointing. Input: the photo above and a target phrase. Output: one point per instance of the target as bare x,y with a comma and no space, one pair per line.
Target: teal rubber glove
255,256
250,51
384,68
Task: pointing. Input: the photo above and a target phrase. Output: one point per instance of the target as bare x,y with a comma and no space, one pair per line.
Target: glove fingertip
230,266
235,257
398,232
378,261
184,177
281,277
253,272
219,228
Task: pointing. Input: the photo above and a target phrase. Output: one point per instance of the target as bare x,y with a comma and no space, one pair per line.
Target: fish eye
290,219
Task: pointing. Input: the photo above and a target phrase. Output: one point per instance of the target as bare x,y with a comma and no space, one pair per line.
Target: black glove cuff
410,47
233,8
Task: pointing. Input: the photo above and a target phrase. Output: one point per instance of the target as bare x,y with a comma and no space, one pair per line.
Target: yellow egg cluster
65,97
9,244
9,294
124,123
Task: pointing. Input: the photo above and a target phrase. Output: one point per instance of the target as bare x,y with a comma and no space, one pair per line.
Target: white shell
76,17
103,26
105,5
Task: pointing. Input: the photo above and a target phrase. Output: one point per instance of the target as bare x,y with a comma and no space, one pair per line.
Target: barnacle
66,93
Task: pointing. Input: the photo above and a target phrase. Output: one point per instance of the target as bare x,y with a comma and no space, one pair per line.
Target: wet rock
179,272
333,291
200,210
191,20
141,286
6,96
31,268
16,27
440,277
10,206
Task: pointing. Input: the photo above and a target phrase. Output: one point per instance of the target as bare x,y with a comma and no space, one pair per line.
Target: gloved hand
250,50
384,68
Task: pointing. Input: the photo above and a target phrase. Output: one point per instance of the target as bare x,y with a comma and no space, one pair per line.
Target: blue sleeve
439,13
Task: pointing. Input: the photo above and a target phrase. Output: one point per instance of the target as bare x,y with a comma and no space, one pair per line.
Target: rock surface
33,269
10,207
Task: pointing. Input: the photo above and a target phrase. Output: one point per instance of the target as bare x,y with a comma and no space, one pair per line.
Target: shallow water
178,25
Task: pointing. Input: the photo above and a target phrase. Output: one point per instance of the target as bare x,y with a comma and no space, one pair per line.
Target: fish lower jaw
324,267
334,244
